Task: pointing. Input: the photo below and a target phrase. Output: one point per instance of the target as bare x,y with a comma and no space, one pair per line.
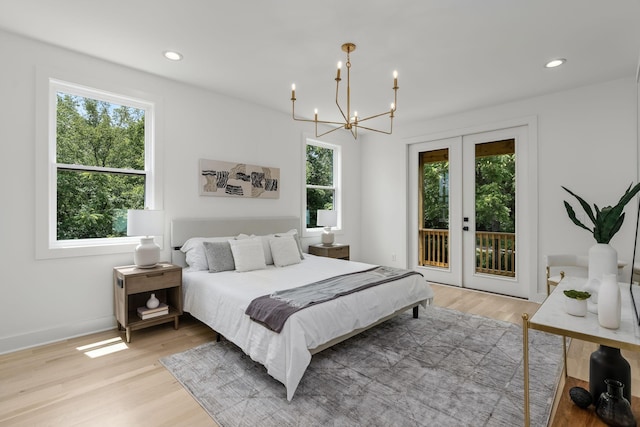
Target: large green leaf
584,205
572,216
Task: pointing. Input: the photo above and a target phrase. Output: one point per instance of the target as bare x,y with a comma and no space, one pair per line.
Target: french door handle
465,228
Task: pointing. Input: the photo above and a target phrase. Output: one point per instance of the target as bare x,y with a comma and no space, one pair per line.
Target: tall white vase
603,259
609,302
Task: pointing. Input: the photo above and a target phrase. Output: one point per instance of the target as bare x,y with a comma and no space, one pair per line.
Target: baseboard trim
55,334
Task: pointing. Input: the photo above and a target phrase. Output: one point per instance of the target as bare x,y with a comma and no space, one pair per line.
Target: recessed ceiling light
173,56
555,63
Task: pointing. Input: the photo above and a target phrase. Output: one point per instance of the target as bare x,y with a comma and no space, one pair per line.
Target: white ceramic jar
609,302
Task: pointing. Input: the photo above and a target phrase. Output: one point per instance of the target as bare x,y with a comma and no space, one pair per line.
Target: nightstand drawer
153,280
342,252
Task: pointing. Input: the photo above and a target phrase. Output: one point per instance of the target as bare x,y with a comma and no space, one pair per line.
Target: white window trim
48,83
337,182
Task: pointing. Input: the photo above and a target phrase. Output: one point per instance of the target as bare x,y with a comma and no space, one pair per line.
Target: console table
551,317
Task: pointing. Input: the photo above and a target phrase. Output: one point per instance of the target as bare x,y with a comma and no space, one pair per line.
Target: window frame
48,86
337,185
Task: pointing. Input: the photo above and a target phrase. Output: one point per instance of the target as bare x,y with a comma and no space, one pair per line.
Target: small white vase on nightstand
153,302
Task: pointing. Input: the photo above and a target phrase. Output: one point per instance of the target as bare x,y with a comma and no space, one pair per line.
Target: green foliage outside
495,194
319,172
95,133
435,195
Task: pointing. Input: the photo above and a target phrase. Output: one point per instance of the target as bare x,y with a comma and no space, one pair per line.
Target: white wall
587,141
48,300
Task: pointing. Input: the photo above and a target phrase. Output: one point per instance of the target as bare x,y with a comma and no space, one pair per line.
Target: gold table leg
564,355
525,347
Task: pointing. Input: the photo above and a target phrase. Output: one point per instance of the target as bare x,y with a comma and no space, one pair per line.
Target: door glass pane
495,200
434,208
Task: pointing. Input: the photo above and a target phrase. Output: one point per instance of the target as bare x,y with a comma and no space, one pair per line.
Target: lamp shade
327,218
145,222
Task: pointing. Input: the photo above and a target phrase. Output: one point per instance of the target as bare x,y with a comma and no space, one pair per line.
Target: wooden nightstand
337,250
132,288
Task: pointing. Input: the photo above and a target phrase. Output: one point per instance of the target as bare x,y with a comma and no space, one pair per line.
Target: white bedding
220,300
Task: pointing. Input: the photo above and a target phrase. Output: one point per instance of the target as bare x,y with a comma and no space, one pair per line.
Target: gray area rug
444,369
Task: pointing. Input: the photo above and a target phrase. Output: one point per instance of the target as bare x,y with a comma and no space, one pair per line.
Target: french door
468,204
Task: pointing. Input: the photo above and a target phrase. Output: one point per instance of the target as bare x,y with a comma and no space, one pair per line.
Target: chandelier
349,122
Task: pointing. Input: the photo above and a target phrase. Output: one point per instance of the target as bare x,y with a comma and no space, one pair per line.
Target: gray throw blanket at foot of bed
273,310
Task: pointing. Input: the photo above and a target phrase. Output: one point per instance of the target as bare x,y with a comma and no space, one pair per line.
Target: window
322,189
100,155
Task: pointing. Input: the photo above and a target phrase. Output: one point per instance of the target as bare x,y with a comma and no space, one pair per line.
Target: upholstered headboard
184,228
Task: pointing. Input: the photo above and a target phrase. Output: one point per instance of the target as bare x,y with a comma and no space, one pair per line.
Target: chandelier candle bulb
339,67
293,91
395,80
315,112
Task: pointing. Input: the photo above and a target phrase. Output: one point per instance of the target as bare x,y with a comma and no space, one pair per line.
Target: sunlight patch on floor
102,348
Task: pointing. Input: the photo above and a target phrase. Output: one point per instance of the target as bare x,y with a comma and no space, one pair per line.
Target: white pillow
243,236
248,254
268,257
195,254
265,245
293,232
284,250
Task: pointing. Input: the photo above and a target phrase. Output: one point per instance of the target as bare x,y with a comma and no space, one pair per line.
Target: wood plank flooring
574,416
61,385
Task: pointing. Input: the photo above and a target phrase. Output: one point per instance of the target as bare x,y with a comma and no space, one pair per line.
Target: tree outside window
100,166
321,185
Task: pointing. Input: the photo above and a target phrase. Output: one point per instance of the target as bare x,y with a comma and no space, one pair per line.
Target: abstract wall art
229,179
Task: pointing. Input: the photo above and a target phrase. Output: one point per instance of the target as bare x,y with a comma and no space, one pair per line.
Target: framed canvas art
229,179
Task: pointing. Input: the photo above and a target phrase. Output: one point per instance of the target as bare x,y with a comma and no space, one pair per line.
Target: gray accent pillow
194,251
219,256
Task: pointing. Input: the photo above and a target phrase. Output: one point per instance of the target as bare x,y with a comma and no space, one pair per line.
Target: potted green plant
575,302
603,258
606,221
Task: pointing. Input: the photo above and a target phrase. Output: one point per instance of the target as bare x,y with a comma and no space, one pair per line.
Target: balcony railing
495,252
434,247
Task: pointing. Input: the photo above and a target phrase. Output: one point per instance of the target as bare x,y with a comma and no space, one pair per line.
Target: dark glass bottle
613,408
607,362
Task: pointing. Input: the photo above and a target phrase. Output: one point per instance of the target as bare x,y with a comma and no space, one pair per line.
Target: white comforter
220,300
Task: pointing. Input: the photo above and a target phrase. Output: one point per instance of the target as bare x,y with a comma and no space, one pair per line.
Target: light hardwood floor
60,385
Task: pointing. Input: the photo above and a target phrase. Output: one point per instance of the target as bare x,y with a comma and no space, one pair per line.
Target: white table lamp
146,223
327,219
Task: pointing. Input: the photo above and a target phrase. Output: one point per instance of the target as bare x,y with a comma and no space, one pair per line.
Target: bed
220,299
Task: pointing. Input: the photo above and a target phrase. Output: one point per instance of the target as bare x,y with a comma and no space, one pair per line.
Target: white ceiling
451,55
